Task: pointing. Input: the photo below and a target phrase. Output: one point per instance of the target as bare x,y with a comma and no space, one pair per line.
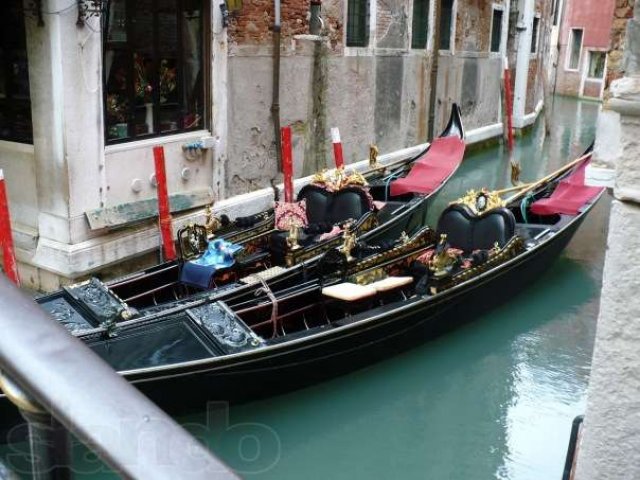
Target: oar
512,189
533,185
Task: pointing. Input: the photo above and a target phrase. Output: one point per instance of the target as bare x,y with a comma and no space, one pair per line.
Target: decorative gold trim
260,228
349,241
442,260
212,223
292,239
513,248
334,180
480,202
418,242
373,156
369,222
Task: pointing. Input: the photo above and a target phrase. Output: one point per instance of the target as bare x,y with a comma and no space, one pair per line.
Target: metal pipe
315,21
59,372
275,102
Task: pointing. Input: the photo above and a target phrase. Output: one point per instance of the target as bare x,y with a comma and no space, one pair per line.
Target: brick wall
252,24
622,13
473,25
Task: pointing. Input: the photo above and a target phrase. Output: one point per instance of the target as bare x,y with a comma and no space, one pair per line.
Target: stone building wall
596,18
621,14
610,446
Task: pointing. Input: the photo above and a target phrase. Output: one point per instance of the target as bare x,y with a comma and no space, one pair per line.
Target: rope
524,204
387,184
274,304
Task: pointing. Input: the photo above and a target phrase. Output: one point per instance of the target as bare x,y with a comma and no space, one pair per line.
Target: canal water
492,400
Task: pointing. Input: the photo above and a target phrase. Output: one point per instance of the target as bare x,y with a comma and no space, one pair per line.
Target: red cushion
433,168
569,197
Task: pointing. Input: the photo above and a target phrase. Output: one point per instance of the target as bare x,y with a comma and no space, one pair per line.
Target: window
358,23
575,47
420,25
534,34
154,75
496,30
15,100
446,19
596,64
556,12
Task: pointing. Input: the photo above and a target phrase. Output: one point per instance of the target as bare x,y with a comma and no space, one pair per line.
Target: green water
494,399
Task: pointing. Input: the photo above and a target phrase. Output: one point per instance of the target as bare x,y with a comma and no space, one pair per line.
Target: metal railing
574,438
61,386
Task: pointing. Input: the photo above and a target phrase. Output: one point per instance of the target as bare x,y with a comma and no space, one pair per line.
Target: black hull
348,345
339,352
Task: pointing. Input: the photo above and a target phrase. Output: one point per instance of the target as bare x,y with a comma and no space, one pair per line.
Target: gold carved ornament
211,223
334,180
373,156
349,241
481,201
443,259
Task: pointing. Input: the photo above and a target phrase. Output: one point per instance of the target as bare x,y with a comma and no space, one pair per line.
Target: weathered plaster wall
474,83
473,25
376,94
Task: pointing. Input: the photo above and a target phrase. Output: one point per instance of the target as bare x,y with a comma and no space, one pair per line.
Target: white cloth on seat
349,292
391,283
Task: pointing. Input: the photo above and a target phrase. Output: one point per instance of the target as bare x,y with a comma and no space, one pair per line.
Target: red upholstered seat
433,168
569,197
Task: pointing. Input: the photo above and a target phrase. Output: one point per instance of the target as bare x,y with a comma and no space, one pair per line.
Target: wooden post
164,213
287,163
337,147
508,103
6,237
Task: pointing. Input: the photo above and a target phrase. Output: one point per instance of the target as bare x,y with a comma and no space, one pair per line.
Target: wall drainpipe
315,22
275,102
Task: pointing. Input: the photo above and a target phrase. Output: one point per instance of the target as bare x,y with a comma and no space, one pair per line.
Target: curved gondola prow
454,126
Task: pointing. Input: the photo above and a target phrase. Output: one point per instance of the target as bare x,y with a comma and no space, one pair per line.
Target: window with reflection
153,67
15,100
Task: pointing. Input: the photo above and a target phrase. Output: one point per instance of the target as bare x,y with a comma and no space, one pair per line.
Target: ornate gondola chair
329,202
192,241
475,233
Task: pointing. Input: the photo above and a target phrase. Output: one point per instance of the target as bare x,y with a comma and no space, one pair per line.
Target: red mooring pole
337,147
287,163
166,230
508,103
6,238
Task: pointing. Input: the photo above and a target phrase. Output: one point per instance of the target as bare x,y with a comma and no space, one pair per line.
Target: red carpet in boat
433,168
569,197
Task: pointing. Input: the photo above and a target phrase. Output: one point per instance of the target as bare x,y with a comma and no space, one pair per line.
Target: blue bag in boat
219,254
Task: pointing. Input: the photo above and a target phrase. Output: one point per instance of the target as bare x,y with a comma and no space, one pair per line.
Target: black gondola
271,340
